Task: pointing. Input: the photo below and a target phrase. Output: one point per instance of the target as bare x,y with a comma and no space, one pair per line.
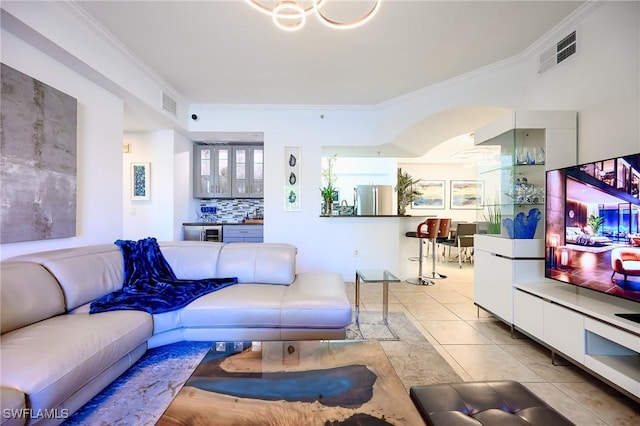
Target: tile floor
481,348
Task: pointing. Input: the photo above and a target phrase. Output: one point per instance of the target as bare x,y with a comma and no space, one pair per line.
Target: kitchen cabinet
242,233
211,171
228,171
248,172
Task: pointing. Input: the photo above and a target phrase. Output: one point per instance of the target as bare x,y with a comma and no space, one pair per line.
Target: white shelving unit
576,323
552,133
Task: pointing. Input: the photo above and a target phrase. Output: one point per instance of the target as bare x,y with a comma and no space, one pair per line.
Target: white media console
576,323
582,326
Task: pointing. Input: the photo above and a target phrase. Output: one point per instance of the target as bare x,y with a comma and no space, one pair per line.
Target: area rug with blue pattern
142,394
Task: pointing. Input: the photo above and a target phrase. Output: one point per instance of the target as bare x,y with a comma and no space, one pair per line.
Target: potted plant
328,192
406,192
494,217
595,222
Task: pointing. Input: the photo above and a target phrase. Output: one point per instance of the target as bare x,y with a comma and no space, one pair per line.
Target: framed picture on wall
140,181
431,195
467,194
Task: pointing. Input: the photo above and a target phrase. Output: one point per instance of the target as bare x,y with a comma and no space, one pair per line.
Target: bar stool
437,236
424,229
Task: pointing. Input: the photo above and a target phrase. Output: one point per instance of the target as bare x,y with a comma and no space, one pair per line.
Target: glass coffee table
369,276
293,382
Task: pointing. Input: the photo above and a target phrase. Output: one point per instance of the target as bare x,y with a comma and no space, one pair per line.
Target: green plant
406,190
328,191
328,175
494,217
595,222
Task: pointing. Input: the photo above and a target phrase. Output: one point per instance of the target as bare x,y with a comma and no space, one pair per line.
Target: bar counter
378,215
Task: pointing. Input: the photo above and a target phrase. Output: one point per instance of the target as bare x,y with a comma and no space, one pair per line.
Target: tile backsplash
234,210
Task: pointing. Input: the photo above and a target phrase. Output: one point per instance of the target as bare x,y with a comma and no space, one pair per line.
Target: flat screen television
592,234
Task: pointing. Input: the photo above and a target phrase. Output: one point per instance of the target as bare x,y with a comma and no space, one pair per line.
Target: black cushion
483,403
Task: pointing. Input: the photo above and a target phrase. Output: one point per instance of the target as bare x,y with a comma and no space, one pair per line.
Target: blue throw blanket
150,284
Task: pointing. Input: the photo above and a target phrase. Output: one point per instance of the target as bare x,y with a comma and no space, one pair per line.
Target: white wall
99,178
153,217
600,82
184,205
444,172
322,242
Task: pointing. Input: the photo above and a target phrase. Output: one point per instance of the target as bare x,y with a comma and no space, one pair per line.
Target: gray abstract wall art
38,151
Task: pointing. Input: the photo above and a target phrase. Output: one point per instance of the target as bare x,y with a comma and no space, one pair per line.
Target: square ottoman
483,403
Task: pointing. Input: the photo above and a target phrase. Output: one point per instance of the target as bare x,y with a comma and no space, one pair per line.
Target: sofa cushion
84,273
316,300
50,360
266,263
240,305
20,282
192,260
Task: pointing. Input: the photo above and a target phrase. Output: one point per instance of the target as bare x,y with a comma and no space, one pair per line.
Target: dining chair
463,240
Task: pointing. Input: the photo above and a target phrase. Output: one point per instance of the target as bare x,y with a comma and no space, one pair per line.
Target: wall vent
169,104
558,53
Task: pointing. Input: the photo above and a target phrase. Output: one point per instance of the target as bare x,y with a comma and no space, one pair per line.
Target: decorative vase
523,227
327,207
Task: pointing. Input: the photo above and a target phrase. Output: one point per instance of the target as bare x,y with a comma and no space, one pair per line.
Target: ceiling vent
169,104
558,53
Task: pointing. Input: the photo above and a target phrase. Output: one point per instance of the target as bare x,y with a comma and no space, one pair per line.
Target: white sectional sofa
55,356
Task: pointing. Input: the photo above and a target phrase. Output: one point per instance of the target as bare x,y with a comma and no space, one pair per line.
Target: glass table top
376,276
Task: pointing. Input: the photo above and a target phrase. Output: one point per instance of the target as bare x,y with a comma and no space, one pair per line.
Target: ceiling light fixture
291,15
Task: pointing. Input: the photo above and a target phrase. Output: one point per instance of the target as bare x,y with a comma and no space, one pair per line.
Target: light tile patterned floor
479,347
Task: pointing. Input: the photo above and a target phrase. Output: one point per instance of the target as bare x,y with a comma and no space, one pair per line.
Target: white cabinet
528,314
498,264
563,330
493,295
228,171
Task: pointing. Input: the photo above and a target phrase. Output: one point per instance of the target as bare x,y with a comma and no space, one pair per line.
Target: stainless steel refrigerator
374,200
